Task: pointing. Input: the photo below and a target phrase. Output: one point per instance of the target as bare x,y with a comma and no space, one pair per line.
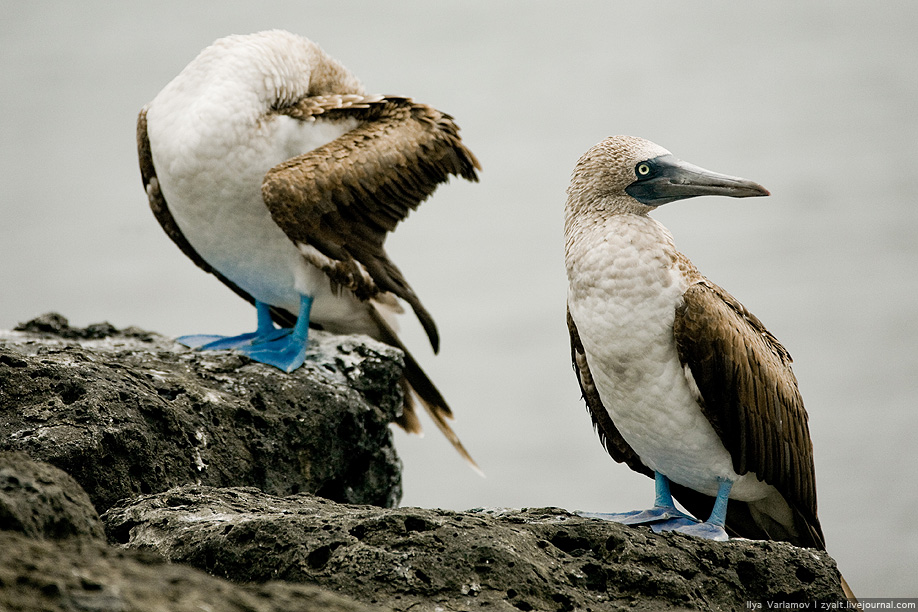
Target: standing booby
682,382
270,167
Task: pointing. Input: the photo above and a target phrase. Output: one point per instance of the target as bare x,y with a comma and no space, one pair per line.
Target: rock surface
417,559
211,460
42,501
53,556
130,412
87,575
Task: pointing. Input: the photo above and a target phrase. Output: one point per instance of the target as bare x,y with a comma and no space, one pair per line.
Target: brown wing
343,198
161,211
750,395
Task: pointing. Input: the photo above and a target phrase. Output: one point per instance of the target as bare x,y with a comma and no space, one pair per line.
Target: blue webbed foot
658,515
674,524
713,528
286,353
198,341
265,333
664,516
205,342
283,348
706,530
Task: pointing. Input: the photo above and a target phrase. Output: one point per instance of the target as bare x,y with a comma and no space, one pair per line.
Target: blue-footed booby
271,168
682,382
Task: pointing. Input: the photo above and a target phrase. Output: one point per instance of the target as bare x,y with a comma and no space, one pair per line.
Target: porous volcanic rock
41,501
87,575
128,412
53,556
210,460
418,559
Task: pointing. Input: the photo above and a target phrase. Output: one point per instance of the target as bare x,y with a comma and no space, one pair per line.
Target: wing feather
749,393
344,197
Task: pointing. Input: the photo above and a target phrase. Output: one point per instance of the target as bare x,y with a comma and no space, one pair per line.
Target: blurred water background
818,101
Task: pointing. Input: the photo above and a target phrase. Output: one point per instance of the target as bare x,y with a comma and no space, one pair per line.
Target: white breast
624,290
210,164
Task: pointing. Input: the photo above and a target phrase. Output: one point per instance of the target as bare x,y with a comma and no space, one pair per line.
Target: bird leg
287,352
284,348
713,528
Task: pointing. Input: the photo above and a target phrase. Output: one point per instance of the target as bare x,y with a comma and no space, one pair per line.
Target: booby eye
643,169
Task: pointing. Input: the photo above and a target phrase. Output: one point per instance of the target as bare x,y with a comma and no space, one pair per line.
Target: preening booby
682,382
270,167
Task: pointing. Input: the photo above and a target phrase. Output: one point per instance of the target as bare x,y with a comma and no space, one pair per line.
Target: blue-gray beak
666,179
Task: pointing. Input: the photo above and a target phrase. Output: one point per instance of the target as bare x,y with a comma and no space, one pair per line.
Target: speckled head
626,174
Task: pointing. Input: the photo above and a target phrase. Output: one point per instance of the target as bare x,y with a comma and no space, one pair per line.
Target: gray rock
128,412
84,574
214,459
41,501
412,558
53,557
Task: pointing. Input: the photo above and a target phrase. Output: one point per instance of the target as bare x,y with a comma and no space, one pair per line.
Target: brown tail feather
439,418
408,419
419,385
849,594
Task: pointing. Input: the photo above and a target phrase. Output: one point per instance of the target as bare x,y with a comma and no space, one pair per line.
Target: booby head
627,174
